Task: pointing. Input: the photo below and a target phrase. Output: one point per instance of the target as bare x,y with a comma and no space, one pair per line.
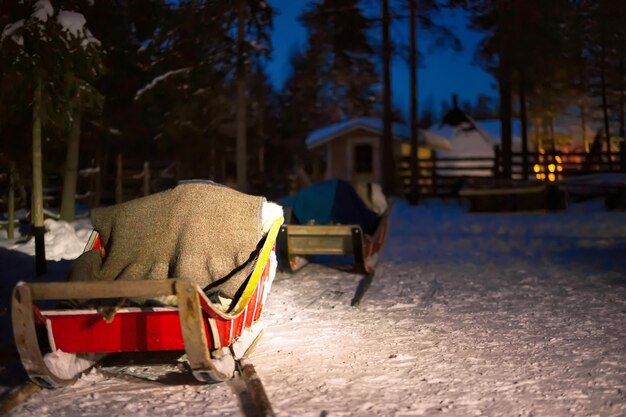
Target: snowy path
497,315
471,349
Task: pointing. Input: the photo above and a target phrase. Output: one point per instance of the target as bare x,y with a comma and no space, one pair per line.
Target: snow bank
62,240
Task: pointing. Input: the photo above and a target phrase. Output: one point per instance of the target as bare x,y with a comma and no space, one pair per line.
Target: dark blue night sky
443,72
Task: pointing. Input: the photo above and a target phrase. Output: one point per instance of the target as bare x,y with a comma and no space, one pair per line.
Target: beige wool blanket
202,232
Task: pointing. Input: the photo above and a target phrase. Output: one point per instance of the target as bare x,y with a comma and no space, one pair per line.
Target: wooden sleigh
212,337
299,242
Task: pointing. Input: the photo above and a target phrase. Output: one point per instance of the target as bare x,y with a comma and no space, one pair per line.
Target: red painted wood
128,332
223,327
142,330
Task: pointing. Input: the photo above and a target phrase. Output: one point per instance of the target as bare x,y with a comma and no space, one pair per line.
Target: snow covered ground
468,314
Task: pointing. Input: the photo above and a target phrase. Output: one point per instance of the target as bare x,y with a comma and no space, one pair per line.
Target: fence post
11,223
119,178
609,154
525,165
95,186
146,178
497,157
433,171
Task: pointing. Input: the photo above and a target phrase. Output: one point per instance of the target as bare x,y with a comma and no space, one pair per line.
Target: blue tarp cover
331,202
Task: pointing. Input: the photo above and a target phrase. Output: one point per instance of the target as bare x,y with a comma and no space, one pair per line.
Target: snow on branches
158,79
74,24
70,23
42,10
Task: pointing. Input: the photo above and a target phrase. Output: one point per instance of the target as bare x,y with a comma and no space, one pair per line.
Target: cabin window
363,159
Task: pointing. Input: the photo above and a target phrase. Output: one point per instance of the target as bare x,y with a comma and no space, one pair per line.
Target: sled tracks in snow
252,397
246,385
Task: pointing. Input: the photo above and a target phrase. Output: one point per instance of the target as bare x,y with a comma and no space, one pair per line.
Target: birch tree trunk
68,197
11,208
36,213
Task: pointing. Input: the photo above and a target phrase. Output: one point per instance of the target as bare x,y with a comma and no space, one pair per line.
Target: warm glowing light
547,166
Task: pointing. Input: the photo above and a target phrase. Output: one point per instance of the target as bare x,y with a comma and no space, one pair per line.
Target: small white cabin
351,150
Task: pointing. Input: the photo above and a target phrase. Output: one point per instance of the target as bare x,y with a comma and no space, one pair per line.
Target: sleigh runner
213,334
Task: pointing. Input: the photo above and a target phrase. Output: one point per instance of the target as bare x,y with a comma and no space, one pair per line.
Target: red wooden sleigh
212,337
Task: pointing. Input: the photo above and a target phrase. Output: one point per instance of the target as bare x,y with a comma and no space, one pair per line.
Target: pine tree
124,29
300,108
264,131
541,78
192,81
604,46
43,53
81,96
341,53
185,96
334,77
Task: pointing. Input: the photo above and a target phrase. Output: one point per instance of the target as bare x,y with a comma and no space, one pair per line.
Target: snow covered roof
477,138
488,129
400,132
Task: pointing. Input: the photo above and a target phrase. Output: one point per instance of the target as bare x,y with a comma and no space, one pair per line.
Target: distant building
471,138
564,131
351,150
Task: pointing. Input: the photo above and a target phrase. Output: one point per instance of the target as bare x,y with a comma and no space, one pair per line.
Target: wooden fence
130,179
438,177
444,176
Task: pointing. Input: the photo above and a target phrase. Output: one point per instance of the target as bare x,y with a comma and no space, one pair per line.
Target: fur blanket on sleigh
203,232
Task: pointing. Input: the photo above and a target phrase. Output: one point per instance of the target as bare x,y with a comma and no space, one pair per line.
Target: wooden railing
132,179
444,176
